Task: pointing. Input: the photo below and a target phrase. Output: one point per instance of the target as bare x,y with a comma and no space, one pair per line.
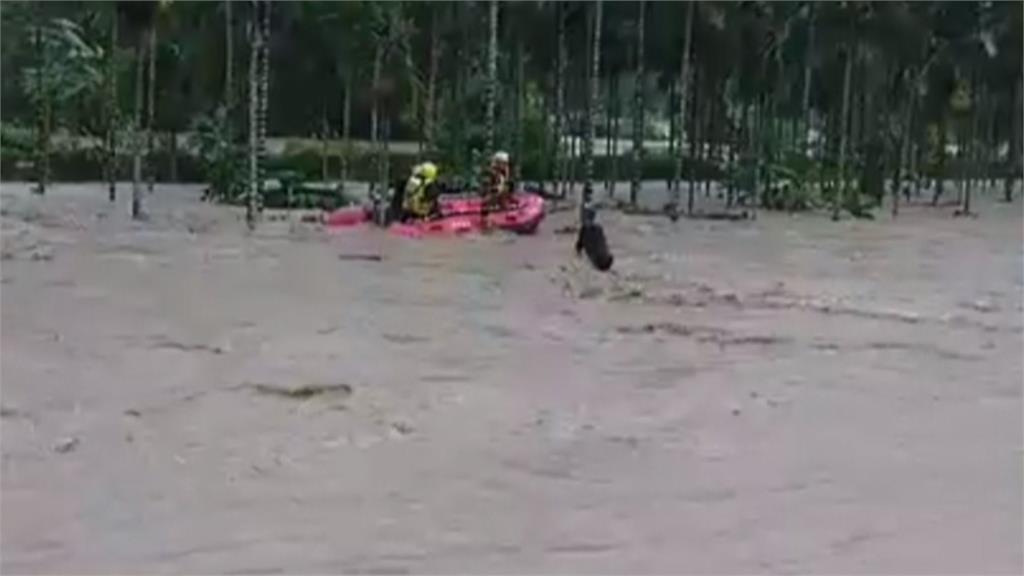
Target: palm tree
492,76
638,105
592,109
110,108
150,103
561,57
229,61
257,84
141,18
684,90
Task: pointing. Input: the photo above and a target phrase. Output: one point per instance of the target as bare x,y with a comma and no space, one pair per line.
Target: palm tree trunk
430,116
111,109
137,143
607,133
492,75
694,141
378,62
252,204
805,106
346,129
638,104
592,113
229,60
559,80
672,127
684,89
613,161
843,132
940,177
904,152
261,144
150,109
42,106
520,109
324,137
1013,160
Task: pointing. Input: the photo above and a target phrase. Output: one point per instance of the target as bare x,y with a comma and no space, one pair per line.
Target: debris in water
361,257
303,392
65,445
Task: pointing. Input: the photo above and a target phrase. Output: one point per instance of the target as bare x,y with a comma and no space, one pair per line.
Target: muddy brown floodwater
788,395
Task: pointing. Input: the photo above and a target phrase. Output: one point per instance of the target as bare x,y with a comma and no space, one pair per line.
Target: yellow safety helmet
428,170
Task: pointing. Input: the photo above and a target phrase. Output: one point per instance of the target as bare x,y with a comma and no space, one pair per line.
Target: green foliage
70,65
223,161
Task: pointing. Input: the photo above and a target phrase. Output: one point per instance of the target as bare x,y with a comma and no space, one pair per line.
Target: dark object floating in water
591,240
362,257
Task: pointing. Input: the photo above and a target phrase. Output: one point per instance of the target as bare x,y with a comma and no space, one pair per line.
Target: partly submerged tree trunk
264,104
520,109
805,102
492,76
607,133
1013,159
903,158
592,113
839,195
324,139
559,79
684,91
151,108
229,59
346,130
378,63
638,104
172,150
255,37
694,141
137,142
42,106
430,103
111,109
613,160
940,176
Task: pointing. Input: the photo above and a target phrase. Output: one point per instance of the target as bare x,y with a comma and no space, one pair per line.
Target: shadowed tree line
791,105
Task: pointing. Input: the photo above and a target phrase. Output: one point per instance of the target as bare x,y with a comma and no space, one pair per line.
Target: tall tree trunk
971,152
111,109
42,106
378,63
492,75
839,195
430,117
264,103
346,129
255,37
638,104
520,109
229,58
613,161
172,147
904,151
559,132
673,88
1013,159
151,108
137,137
940,177
684,91
693,138
592,113
324,138
805,101
608,134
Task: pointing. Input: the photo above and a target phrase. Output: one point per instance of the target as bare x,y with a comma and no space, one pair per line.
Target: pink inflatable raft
459,215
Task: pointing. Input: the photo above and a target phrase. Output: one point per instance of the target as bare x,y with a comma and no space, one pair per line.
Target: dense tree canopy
926,87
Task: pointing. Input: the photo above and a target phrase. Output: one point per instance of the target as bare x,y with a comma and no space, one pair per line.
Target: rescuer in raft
419,200
499,182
